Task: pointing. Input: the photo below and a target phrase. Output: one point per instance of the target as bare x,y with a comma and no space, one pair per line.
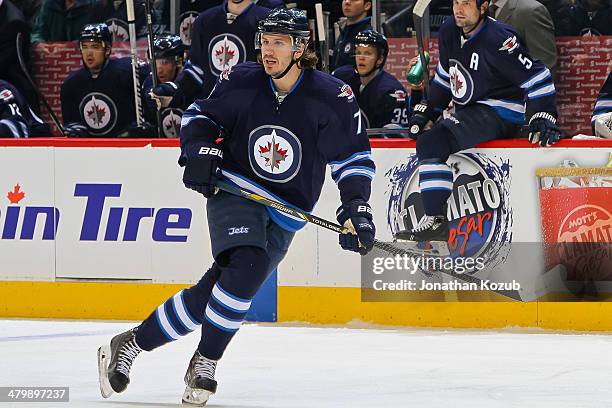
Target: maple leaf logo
96,113
224,55
272,153
173,126
16,195
456,83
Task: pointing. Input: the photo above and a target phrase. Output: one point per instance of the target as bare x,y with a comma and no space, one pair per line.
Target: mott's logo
100,221
587,223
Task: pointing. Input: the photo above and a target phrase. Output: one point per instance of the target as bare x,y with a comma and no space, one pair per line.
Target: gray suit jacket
535,26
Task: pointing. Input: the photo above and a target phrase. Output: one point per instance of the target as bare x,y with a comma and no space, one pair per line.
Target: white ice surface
274,366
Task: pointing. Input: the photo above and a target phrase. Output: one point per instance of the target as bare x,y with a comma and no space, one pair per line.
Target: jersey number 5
525,61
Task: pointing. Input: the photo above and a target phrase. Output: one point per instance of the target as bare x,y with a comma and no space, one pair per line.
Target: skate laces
426,222
127,354
204,367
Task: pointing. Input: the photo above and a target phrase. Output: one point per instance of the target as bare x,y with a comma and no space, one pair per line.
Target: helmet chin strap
291,64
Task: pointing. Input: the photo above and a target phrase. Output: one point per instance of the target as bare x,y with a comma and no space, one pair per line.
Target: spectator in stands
602,113
12,24
356,13
60,20
30,9
534,25
114,14
166,97
16,117
591,17
560,12
98,99
381,97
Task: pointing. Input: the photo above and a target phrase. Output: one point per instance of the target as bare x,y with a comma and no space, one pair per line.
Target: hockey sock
179,315
241,278
436,183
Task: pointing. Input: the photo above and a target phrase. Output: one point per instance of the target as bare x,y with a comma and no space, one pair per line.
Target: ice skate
115,361
199,380
430,235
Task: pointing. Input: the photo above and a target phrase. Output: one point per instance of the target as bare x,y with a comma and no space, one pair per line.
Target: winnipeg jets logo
275,153
456,82
225,51
272,153
186,26
171,122
510,45
398,95
98,112
462,85
347,92
118,29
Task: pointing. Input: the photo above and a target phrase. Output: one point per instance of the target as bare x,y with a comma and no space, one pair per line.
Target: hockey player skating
271,145
489,76
380,95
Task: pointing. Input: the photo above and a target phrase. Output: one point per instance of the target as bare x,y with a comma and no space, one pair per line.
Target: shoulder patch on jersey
6,95
510,44
398,95
346,91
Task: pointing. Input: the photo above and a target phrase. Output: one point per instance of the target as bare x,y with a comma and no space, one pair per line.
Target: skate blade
103,361
196,397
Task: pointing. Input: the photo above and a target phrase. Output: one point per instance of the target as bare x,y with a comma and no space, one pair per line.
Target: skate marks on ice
268,366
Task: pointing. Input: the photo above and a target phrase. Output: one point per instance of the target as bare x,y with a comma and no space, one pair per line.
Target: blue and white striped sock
436,184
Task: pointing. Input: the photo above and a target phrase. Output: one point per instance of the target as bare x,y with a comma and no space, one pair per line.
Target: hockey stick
385,246
153,62
321,36
419,25
134,55
19,43
388,131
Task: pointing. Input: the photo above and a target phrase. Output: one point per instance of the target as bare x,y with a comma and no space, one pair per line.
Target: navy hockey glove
421,116
356,216
76,130
202,167
144,131
162,94
543,128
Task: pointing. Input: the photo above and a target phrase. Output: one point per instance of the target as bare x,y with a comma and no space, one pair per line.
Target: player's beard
277,69
466,24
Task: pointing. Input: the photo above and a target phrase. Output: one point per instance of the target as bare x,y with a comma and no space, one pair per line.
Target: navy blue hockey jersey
280,150
16,117
493,68
218,43
603,105
382,101
104,104
190,9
